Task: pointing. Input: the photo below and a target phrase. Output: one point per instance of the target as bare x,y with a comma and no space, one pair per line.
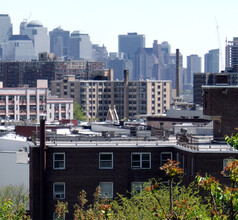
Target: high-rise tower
130,43
211,61
5,28
232,53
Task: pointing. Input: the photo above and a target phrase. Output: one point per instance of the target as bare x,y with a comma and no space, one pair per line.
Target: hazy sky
189,25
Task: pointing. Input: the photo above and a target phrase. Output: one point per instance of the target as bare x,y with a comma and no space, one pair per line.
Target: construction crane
220,48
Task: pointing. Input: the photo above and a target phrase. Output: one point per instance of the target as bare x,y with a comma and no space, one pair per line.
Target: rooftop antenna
220,48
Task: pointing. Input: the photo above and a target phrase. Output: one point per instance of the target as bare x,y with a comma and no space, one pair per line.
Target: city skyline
193,27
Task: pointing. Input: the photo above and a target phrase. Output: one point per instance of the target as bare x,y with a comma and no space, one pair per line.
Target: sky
192,26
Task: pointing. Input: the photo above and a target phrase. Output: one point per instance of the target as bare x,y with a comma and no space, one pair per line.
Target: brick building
59,170
130,98
13,74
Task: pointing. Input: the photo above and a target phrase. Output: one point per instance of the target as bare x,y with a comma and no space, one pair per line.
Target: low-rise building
27,104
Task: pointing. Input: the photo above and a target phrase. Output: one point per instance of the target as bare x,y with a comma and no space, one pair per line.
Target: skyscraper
59,42
38,34
211,61
193,66
130,43
80,46
5,28
232,53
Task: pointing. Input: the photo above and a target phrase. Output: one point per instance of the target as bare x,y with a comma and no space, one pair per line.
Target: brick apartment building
16,73
138,97
59,170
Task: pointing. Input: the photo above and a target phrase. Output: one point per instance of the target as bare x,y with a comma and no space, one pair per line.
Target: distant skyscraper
99,53
18,48
130,43
38,34
5,28
59,42
211,61
80,46
193,66
23,26
232,53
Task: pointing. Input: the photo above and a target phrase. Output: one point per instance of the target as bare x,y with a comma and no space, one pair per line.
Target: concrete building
80,46
99,53
211,61
193,66
231,53
59,42
39,36
5,28
130,43
131,98
27,104
18,48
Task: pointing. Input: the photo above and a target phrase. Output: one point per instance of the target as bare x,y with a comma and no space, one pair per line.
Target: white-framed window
55,216
106,189
137,187
225,163
59,190
58,161
105,160
141,160
164,156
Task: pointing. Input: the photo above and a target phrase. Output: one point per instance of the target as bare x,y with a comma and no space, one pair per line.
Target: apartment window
106,189
105,160
59,161
164,157
58,190
137,187
140,161
56,217
225,163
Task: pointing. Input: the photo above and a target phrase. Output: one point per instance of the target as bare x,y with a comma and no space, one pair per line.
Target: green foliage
233,140
78,112
13,202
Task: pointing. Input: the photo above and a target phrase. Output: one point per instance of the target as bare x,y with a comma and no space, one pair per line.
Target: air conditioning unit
59,195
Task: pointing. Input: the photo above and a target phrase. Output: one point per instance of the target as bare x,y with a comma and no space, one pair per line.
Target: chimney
126,94
110,75
42,167
177,74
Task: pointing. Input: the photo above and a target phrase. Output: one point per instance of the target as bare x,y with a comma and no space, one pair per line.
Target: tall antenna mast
220,48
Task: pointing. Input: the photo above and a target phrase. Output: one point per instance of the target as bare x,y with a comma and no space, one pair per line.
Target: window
59,190
164,157
55,216
106,189
105,160
225,163
137,187
59,161
140,160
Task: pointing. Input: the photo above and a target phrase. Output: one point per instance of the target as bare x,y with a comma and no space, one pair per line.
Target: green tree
13,202
78,112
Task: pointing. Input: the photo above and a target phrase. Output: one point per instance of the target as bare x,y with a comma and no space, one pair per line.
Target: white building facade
27,104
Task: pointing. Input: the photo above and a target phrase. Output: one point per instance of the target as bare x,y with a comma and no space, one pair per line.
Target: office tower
18,48
165,51
38,34
5,28
99,53
232,53
23,26
80,46
146,64
193,66
119,64
130,43
59,42
211,61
